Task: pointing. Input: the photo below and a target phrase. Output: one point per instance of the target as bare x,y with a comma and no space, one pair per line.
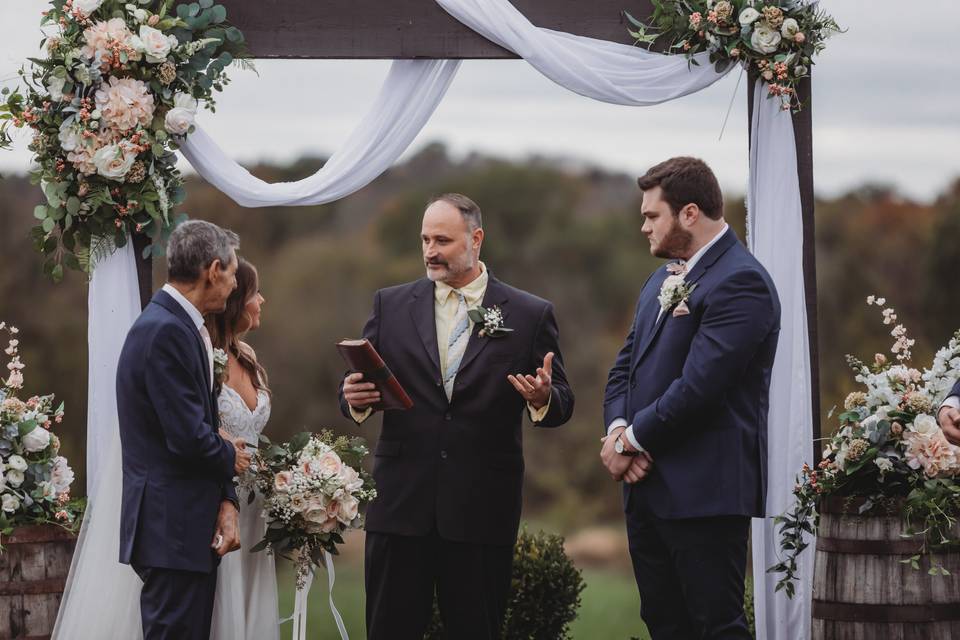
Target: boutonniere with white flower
490,321
675,292
219,365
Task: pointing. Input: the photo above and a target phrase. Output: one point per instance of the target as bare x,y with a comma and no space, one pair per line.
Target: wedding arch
584,47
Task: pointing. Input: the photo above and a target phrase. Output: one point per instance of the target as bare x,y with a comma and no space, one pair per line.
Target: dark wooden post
144,269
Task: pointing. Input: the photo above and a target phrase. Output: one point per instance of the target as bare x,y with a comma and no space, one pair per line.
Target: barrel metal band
847,612
33,587
870,547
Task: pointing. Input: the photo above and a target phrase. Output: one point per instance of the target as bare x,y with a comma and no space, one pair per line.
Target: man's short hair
194,245
467,207
684,181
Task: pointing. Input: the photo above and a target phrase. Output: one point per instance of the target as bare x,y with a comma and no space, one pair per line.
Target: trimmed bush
544,592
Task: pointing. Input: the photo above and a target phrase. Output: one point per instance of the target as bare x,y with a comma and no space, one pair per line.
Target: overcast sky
886,107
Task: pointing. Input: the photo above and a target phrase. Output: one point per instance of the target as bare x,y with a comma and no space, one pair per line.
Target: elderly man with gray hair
179,506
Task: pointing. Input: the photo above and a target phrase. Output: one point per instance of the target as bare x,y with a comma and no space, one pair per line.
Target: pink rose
282,481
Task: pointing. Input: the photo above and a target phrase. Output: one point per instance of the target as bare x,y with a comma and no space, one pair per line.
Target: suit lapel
166,301
728,239
424,318
495,295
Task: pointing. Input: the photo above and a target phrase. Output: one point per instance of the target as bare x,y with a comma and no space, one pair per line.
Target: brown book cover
361,357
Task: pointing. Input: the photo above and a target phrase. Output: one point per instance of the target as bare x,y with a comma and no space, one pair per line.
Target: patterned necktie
457,344
209,345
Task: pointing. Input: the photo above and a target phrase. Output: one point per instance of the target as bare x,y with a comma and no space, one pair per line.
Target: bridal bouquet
313,489
119,85
34,479
889,451
777,39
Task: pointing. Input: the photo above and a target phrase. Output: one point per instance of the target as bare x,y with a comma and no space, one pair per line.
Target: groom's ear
690,214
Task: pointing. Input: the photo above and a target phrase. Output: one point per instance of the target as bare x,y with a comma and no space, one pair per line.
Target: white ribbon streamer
299,616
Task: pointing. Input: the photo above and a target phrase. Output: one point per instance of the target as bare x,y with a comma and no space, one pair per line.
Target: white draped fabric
114,303
775,237
601,70
411,92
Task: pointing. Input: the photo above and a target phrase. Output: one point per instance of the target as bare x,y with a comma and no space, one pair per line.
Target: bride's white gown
246,603
102,596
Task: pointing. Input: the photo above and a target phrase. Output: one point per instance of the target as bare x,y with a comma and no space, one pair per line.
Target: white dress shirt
197,318
690,264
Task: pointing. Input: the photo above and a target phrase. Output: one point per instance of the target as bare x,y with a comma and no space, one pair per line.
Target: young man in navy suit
685,409
179,507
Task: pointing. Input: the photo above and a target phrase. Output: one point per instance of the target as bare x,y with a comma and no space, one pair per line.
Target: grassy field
610,607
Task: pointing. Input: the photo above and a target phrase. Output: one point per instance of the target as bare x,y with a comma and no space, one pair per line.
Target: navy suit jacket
457,466
696,388
176,467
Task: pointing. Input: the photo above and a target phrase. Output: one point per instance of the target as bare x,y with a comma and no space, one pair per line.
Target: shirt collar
191,310
695,258
473,292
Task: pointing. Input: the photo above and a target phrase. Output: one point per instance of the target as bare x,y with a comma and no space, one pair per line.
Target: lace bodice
237,419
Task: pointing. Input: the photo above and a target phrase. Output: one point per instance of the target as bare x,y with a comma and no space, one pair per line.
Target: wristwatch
619,448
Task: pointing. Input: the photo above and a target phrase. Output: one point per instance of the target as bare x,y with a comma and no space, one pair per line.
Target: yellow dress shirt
445,311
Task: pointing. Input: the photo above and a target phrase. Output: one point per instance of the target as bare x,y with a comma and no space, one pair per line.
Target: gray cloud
885,107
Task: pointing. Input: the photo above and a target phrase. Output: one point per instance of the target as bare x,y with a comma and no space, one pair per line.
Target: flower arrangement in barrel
34,478
120,84
314,491
776,39
889,451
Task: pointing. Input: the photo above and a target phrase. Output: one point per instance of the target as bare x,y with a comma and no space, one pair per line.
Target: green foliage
545,592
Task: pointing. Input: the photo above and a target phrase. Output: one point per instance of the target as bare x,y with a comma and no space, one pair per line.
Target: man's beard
676,244
454,268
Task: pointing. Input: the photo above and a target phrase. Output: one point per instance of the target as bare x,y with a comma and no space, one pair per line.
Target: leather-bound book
361,357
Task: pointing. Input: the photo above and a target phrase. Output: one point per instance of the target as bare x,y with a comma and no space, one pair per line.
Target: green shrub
544,592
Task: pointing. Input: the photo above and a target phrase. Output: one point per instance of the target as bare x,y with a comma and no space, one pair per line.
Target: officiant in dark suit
449,471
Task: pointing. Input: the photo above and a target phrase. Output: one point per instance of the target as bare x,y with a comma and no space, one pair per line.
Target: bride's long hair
228,327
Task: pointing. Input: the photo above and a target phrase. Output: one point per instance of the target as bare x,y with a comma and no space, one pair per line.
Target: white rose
15,478
17,463
56,88
789,28
329,464
10,502
36,440
153,44
113,161
925,425
350,478
61,476
749,16
69,137
765,38
349,508
86,7
178,121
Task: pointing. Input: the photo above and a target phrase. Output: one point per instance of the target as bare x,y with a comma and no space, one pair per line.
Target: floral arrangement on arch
889,451
120,84
777,39
313,489
34,478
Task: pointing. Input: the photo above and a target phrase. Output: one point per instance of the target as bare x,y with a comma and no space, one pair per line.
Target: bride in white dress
246,602
102,597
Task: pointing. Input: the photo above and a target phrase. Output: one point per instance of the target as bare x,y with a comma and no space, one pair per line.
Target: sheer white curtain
775,233
609,72
410,94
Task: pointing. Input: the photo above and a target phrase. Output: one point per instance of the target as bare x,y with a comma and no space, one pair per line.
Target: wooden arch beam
407,28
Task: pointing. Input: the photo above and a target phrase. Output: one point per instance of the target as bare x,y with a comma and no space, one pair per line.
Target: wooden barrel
863,590
33,570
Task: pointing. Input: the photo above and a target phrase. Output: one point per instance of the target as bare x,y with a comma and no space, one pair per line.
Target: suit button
448,416
443,454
